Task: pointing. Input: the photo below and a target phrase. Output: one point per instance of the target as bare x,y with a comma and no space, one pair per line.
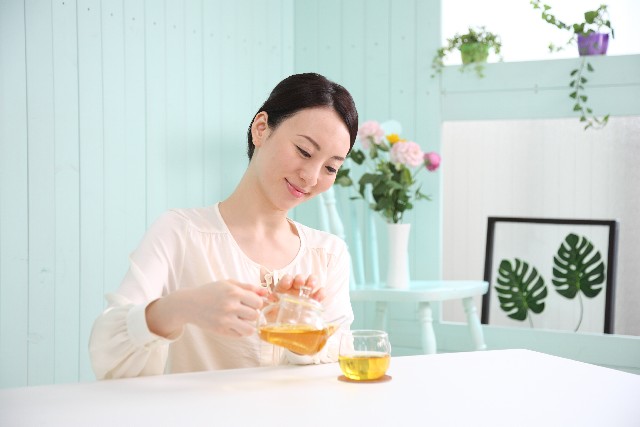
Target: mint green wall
110,113
540,89
381,51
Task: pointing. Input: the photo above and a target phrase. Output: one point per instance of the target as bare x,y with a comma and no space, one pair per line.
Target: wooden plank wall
110,113
381,51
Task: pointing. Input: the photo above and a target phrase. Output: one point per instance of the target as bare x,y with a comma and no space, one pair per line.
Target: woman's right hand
227,308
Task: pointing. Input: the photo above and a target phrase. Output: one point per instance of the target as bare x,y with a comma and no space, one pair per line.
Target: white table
424,292
489,388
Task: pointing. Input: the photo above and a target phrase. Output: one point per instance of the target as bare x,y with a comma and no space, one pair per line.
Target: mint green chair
422,292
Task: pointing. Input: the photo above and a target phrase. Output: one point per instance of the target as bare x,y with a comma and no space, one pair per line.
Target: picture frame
550,273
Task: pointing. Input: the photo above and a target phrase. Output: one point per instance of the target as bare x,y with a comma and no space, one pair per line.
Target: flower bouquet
392,165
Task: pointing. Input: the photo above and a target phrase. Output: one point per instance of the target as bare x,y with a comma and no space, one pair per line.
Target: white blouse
191,247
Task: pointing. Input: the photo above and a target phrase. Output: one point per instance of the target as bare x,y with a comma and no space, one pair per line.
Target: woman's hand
227,308
292,285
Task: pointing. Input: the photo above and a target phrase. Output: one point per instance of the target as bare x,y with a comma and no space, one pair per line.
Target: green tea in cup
364,354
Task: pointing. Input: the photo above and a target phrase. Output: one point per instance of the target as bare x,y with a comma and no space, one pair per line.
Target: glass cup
364,354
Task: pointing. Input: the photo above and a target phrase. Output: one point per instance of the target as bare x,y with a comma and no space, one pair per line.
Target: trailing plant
595,21
474,48
577,84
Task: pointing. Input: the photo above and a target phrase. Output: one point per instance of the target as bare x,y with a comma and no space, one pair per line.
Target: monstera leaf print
520,289
578,269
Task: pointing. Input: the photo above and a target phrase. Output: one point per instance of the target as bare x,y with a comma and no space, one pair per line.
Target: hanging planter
593,44
474,52
474,47
591,40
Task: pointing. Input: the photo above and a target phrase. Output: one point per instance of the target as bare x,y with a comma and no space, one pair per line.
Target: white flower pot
398,256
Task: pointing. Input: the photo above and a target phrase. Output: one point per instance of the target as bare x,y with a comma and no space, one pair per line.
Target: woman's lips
295,191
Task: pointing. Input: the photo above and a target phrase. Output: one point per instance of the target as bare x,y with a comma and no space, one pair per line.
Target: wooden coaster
382,379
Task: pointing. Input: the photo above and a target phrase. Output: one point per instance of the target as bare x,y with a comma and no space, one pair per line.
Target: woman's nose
309,175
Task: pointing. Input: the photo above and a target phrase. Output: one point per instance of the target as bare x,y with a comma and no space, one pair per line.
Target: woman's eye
303,153
331,170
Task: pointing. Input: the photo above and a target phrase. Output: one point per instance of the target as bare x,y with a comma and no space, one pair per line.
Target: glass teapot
296,323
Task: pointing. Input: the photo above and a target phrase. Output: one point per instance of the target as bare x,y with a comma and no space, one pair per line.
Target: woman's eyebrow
317,146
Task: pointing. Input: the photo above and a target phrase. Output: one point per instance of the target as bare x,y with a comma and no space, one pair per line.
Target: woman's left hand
292,285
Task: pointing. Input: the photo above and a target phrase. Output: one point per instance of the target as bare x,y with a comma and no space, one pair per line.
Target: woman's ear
260,128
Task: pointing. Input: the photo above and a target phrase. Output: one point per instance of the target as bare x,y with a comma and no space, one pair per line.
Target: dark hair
307,90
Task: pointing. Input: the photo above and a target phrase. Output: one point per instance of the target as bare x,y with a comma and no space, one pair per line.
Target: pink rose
370,131
407,152
432,160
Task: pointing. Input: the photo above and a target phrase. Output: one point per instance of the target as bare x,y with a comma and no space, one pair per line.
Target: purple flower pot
593,44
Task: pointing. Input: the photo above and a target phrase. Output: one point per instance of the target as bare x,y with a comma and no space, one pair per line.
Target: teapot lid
303,298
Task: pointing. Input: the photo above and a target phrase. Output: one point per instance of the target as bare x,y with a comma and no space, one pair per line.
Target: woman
190,299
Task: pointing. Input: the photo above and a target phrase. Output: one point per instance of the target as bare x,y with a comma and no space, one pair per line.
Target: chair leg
474,324
425,316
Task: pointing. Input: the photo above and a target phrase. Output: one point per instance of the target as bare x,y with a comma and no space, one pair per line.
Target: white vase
398,256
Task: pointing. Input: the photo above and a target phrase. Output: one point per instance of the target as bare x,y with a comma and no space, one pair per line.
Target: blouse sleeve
336,304
121,344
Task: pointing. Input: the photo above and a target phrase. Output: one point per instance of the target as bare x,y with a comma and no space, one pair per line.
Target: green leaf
577,107
589,67
520,289
573,95
373,151
357,156
573,73
583,98
343,179
590,16
578,267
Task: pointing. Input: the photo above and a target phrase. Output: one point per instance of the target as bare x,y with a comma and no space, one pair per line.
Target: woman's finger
298,281
285,283
319,294
247,313
241,328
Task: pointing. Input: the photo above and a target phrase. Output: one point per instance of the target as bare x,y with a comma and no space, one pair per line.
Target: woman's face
299,159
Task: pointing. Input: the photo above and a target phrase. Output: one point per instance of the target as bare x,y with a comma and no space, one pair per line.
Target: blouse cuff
139,331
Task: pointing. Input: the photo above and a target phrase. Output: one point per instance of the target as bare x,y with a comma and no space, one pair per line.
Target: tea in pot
296,323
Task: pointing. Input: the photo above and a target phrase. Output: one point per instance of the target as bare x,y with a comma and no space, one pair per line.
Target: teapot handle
268,314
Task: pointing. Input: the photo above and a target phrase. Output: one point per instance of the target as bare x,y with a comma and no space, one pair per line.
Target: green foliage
391,184
390,189
595,21
578,267
477,41
520,289
577,84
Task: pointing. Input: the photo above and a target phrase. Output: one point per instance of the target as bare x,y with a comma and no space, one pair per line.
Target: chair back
360,229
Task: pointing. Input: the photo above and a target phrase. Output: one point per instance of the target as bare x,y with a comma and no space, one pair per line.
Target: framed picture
550,274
